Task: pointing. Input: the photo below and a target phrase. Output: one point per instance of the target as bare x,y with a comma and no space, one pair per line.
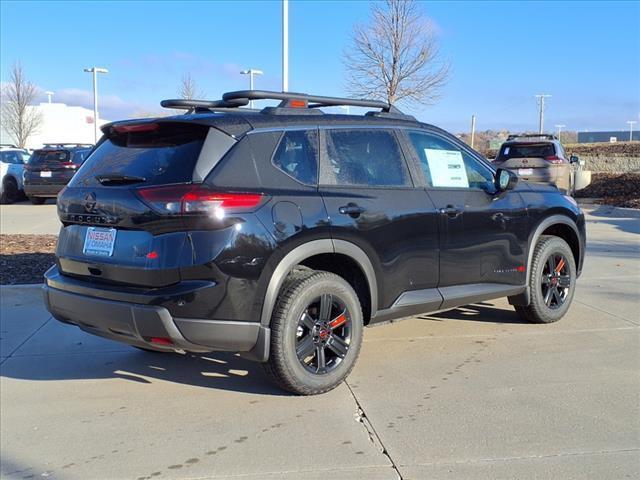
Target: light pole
251,72
560,127
473,130
541,98
95,71
49,94
631,122
285,45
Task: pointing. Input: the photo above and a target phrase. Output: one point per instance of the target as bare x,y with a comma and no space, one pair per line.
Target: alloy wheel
323,334
556,281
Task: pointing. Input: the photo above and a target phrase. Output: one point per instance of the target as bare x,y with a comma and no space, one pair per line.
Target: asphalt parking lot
470,393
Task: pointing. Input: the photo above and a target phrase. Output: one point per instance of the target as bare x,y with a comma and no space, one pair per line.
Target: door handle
351,209
450,211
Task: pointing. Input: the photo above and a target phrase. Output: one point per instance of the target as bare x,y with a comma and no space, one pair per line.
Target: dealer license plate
99,241
45,174
525,171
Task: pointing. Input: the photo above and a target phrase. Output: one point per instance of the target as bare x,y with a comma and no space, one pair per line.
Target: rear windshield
167,154
40,157
79,156
527,150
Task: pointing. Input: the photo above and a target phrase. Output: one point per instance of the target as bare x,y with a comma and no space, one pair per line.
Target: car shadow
623,219
218,370
477,312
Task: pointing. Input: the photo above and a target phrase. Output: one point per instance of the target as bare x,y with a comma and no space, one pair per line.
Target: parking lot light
251,72
95,71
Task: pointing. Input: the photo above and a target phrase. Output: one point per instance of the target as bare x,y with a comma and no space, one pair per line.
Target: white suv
12,160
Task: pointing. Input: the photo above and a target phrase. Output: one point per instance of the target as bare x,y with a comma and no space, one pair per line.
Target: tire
10,192
37,200
298,325
551,254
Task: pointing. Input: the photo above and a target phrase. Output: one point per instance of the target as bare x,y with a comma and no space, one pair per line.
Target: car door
372,202
483,233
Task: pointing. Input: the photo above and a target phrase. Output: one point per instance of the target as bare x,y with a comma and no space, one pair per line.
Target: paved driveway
24,217
471,393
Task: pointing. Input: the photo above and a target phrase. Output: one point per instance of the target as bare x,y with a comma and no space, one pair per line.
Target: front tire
316,333
551,283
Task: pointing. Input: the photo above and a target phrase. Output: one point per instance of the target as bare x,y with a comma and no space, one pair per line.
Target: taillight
68,165
188,199
553,159
136,128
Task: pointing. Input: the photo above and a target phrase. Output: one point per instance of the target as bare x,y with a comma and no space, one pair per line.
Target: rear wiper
118,179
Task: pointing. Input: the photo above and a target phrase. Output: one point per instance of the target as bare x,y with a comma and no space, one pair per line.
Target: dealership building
60,124
597,137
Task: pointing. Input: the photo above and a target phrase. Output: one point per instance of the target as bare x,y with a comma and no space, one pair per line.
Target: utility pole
540,97
631,122
49,94
95,71
560,127
473,129
285,45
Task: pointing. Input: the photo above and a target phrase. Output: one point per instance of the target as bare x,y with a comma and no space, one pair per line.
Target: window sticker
447,168
506,150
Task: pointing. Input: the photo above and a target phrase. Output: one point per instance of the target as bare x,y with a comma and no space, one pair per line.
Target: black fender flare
307,250
541,227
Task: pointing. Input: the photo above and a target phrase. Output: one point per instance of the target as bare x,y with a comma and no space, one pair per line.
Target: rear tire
551,283
37,200
316,333
10,192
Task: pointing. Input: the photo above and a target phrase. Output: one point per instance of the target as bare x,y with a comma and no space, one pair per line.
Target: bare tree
19,118
396,57
189,89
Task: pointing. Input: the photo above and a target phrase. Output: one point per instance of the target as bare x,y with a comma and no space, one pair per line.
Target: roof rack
8,145
288,100
67,144
532,135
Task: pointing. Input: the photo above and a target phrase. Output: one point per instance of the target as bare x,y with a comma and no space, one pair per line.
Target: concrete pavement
24,217
471,393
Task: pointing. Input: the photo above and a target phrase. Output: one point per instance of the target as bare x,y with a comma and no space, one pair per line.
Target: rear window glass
528,150
297,155
49,156
165,155
79,156
363,157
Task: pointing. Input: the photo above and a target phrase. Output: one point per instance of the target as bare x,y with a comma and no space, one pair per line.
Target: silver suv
538,158
12,160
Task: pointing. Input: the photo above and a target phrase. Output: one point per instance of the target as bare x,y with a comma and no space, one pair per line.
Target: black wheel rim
323,334
556,281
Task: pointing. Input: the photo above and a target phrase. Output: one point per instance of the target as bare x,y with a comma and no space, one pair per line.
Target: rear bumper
43,189
137,324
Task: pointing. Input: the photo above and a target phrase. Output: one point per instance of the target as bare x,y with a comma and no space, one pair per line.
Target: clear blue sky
585,54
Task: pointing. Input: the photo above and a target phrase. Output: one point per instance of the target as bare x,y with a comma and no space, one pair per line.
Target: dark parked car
539,158
50,168
281,233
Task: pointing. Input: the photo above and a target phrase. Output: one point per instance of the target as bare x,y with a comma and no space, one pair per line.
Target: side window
362,157
297,155
445,165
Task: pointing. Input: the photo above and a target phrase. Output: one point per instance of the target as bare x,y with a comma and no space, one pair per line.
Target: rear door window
297,155
363,157
165,154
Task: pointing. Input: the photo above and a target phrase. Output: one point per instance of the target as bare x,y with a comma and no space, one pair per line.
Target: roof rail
232,100
547,136
9,145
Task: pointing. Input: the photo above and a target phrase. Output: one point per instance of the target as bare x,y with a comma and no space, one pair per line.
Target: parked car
281,233
12,160
50,168
539,158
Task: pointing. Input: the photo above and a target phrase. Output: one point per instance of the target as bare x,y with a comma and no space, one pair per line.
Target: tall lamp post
560,127
631,122
251,72
95,71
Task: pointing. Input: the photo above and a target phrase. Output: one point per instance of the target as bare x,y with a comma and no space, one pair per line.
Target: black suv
281,233
50,168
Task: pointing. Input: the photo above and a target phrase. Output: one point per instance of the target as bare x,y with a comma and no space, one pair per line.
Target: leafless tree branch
19,118
396,57
189,89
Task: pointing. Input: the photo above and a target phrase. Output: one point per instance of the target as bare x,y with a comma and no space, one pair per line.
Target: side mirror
505,180
574,159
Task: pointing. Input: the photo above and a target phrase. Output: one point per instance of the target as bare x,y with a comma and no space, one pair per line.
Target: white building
60,124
